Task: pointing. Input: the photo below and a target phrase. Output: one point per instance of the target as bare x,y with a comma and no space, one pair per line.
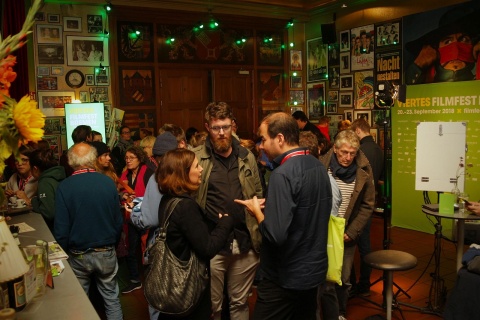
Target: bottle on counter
41,266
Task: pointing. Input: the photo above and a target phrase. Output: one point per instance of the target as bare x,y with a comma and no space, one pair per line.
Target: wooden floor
416,282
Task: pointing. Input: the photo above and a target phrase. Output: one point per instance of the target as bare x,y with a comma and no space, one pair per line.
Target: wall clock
75,78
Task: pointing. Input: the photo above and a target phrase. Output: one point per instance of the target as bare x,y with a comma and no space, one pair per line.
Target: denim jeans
103,266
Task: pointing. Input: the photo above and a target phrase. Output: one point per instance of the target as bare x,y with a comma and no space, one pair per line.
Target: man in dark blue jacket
88,223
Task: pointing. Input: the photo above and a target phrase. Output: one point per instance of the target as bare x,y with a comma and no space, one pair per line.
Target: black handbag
173,286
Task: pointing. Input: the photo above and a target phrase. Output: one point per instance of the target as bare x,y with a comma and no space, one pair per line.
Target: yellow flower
29,120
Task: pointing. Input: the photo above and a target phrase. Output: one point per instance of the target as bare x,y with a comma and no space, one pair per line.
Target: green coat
44,202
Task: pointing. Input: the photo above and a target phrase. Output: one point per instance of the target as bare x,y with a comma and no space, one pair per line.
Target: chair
389,261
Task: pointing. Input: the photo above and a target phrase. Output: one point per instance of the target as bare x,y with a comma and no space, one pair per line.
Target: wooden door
184,96
236,89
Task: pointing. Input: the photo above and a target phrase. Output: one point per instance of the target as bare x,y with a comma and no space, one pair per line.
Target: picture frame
47,33
388,34
296,82
83,96
52,103
346,82
366,114
128,96
315,100
57,71
332,108
344,62
333,77
293,109
53,18
296,60
348,114
333,95
98,94
52,125
362,47
317,60
89,80
345,41
297,97
39,16
50,54
364,90
47,83
94,23
374,134
72,24
43,71
102,76
87,51
346,99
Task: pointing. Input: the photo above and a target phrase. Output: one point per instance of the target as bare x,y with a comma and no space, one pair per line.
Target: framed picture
57,71
47,83
43,71
345,41
39,16
344,62
374,134
47,33
141,92
87,51
348,114
52,104
295,60
333,77
297,97
315,100
346,82
89,80
364,93
128,48
50,54
331,108
363,114
362,47
98,94
388,34
53,18
317,60
295,82
102,76
73,24
293,109
346,99
83,96
52,125
332,95
94,24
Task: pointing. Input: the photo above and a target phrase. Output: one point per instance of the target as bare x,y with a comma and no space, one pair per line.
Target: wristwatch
75,78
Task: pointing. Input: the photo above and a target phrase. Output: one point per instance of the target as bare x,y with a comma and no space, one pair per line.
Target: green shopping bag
335,248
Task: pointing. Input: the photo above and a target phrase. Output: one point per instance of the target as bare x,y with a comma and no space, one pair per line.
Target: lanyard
23,182
83,171
294,154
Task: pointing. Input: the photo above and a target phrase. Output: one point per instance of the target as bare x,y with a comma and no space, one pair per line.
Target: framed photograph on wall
344,62
53,18
331,108
98,94
346,99
53,125
297,97
315,100
295,60
94,23
102,76
332,95
388,34
52,104
50,54
39,16
72,24
363,114
47,33
293,109
57,71
374,134
296,82
345,41
333,77
348,114
83,96
346,82
47,83
87,51
43,71
89,80
317,60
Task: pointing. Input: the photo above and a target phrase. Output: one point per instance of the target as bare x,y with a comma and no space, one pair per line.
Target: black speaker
329,35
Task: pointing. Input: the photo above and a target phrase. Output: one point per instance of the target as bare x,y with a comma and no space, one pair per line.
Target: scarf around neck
346,174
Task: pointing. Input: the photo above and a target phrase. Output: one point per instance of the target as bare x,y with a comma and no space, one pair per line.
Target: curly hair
218,110
173,172
139,153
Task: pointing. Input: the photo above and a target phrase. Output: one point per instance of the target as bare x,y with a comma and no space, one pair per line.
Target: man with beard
229,172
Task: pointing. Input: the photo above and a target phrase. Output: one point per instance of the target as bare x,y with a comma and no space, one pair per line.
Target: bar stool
389,261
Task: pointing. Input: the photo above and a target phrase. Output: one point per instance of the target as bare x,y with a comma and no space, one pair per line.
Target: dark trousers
364,248
134,238
277,303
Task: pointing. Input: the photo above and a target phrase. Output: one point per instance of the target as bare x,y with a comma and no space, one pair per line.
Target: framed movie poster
317,60
295,60
364,93
87,51
345,41
362,47
315,100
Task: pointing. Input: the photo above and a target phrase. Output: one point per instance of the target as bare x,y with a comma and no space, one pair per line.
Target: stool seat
390,260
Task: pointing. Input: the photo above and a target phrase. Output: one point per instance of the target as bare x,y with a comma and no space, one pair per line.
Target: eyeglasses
225,128
130,158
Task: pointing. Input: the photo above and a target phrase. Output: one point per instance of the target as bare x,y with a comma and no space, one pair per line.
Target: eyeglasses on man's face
225,128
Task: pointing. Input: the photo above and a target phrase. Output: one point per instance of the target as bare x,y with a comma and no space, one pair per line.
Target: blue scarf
346,174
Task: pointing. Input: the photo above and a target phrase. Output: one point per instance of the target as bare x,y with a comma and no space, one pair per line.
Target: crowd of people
256,212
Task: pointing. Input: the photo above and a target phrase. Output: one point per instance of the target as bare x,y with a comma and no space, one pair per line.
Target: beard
222,145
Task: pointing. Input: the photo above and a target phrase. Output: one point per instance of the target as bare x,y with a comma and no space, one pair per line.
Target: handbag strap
164,217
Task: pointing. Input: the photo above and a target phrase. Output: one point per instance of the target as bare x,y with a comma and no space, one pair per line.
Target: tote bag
335,248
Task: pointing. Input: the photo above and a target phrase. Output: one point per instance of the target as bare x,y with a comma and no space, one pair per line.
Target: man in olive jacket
229,172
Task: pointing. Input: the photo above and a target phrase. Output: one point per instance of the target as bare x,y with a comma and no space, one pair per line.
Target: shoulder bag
335,249
173,286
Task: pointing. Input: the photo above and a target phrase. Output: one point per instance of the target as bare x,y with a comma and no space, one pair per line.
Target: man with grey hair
88,223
